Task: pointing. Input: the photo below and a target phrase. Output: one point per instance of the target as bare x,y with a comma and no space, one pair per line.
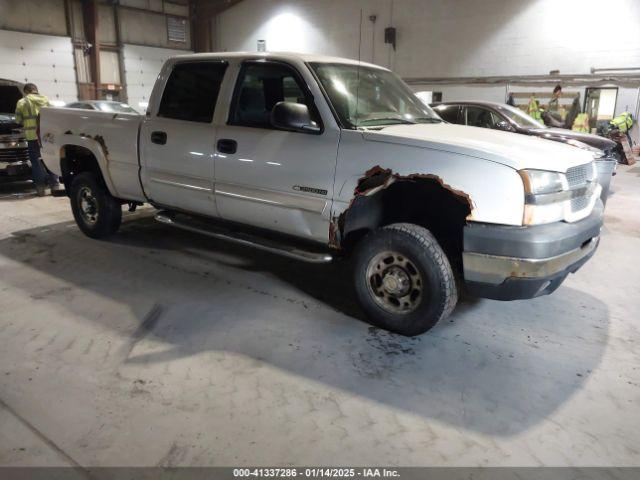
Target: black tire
432,288
108,210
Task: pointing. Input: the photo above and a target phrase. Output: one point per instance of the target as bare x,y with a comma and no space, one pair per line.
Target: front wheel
96,212
404,281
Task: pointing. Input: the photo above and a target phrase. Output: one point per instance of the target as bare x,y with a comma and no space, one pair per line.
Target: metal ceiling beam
623,79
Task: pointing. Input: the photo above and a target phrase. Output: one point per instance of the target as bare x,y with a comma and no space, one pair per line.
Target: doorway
600,105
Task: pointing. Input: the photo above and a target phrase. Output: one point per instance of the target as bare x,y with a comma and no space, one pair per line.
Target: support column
90,20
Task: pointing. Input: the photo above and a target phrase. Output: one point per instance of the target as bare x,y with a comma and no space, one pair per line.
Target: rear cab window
191,92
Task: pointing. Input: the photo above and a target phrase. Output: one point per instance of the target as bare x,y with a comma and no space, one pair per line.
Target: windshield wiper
428,120
400,121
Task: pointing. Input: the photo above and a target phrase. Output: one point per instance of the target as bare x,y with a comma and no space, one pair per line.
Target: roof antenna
358,70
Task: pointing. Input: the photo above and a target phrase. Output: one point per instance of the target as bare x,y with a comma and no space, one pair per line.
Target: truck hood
510,149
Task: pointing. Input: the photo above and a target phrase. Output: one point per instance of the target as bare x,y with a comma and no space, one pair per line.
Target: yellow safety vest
27,111
581,123
623,122
534,110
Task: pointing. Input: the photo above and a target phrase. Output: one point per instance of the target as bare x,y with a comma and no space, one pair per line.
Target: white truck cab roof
282,56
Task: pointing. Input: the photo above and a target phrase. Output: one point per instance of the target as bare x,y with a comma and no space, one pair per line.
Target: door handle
159,137
226,145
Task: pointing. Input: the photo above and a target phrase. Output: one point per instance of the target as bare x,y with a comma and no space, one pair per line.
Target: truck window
192,91
259,88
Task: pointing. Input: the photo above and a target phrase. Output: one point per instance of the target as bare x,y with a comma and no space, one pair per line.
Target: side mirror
504,125
294,117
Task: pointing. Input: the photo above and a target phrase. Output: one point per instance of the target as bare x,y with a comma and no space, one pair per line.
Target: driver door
270,178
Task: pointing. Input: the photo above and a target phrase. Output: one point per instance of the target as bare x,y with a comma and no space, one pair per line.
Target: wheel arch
383,198
81,153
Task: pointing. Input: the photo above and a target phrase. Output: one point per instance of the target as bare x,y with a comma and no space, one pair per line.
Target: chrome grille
579,203
579,176
13,154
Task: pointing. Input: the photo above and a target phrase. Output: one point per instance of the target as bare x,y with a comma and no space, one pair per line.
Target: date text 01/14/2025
316,472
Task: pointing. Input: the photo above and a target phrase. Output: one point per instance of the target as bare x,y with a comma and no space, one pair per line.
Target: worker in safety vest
623,122
533,109
581,123
27,111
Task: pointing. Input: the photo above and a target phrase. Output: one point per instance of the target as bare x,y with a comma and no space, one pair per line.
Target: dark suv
14,156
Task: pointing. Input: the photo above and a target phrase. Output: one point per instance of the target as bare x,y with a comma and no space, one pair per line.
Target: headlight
541,190
537,182
547,194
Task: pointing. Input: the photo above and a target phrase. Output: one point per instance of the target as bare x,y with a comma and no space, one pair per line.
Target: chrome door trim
270,197
182,185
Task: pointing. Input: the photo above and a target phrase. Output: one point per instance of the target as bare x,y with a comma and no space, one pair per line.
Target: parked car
14,155
501,116
102,106
314,158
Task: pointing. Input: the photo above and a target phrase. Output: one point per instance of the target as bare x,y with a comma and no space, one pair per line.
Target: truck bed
111,138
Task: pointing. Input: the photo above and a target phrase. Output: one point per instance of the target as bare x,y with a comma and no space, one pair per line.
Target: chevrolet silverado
315,158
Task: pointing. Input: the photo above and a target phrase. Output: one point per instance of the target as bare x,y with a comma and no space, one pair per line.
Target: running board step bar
186,223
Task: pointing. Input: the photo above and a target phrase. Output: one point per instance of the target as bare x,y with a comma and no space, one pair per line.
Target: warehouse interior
163,348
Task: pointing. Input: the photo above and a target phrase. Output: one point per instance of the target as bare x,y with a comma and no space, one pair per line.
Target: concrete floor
160,347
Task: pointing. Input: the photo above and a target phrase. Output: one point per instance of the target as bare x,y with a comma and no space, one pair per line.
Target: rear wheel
97,213
403,279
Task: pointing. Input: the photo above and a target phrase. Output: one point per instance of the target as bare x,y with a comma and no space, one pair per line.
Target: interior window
260,87
192,91
481,117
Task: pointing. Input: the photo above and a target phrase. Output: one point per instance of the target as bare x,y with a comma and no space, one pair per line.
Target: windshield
520,118
371,97
114,107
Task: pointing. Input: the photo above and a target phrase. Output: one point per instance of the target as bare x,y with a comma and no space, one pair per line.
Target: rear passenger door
177,140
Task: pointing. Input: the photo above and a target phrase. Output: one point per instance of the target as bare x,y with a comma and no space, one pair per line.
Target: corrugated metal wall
36,46
35,16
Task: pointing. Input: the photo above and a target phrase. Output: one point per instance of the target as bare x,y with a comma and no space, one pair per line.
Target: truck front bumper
509,263
14,159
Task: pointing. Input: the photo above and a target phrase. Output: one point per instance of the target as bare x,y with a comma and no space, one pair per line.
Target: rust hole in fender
381,194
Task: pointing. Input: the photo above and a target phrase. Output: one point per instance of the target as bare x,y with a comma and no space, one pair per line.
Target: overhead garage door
46,60
142,66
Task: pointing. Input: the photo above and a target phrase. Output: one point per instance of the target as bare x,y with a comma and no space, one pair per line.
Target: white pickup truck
315,158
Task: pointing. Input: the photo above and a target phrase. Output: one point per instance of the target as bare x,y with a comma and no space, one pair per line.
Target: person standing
554,103
27,111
